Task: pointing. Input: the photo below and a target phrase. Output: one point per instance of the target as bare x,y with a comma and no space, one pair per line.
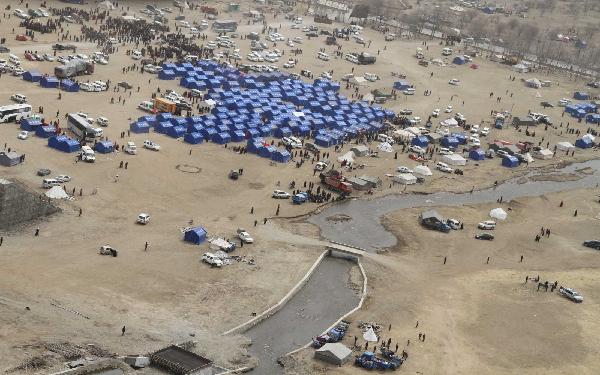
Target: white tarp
385,147
451,122
422,170
210,103
348,157
498,213
590,137
527,158
413,130
564,146
370,335
454,159
57,192
405,178
544,154
358,81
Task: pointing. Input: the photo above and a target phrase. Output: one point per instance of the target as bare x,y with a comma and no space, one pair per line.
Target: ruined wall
19,204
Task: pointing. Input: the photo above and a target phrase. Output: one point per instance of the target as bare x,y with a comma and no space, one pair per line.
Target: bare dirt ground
165,294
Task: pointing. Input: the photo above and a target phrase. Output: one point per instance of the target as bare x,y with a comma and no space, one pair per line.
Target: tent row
50,81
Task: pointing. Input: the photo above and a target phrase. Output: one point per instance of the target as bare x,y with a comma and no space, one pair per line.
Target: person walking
521,258
146,246
123,331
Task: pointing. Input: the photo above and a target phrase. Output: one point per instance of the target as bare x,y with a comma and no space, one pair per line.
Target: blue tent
193,138
421,141
54,141
195,235
32,76
208,133
450,142
164,116
281,156
237,136
45,131
69,86
30,124
176,131
489,10
139,127
477,154
593,118
510,161
166,74
401,85
584,143
323,141
163,127
283,132
580,95
49,82
64,144
221,138
266,151
459,60
104,147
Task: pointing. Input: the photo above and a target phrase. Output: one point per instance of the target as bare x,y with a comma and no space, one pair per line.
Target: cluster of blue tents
37,127
269,104
261,148
50,81
64,143
580,110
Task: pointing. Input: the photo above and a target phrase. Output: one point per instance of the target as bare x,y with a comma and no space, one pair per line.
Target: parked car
19,98
571,294
417,149
320,166
453,223
108,250
280,194
102,121
487,225
409,91
454,82
406,112
436,112
292,142
150,145
443,167
143,218
130,148
484,236
449,109
403,169
23,134
594,244
43,172
244,236
62,178
212,259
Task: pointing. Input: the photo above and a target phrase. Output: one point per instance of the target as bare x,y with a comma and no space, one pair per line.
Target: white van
447,51
14,59
323,56
130,148
212,259
87,154
48,183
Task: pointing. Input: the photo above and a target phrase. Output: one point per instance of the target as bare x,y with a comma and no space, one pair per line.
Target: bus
82,128
14,112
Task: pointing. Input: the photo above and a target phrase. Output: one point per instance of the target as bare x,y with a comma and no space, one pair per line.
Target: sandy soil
165,294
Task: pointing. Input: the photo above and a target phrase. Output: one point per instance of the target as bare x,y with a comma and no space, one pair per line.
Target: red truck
335,181
209,10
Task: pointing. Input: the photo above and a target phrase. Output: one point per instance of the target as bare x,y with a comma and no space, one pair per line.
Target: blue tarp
421,141
163,127
195,235
580,95
459,60
221,138
139,127
193,138
477,154
69,86
32,76
64,144
584,143
45,131
49,82
166,74
176,131
450,142
510,161
266,151
30,124
104,147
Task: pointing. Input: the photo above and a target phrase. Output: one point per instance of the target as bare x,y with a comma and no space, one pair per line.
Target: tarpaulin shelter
163,127
193,138
166,74
584,143
57,192
176,131
459,60
421,141
533,83
69,86
221,138
454,159
237,136
32,76
281,156
30,124
104,147
498,213
335,353
195,235
266,151
422,170
139,127
45,131
477,154
564,146
450,142
49,82
405,178
10,159
510,161
580,95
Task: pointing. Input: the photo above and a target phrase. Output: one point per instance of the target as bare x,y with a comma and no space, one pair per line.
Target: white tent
413,130
520,68
334,352
543,154
454,159
385,147
422,170
358,81
533,82
451,122
405,178
348,157
401,133
498,213
370,335
564,146
57,192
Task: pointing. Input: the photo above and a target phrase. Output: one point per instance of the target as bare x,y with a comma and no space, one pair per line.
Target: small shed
477,154
32,76
195,235
104,147
580,95
405,178
10,159
49,82
373,181
510,161
139,127
454,159
335,353
543,154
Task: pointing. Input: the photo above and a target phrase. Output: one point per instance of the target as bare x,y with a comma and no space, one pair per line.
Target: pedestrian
146,246
255,222
575,213
1,240
423,337
121,164
123,331
80,212
561,204
37,232
396,348
252,210
444,260
126,164
390,328
487,261
521,258
420,336
526,279
264,220
417,325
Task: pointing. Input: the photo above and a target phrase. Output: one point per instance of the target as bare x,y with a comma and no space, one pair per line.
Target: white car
571,294
293,142
62,178
280,194
289,64
212,259
417,149
297,40
102,121
86,86
130,148
485,131
564,102
290,44
320,166
244,236
371,77
326,75
453,223
86,117
151,145
409,91
23,135
143,218
19,98
48,57
443,167
454,82
445,151
449,109
403,169
487,225
323,56
436,112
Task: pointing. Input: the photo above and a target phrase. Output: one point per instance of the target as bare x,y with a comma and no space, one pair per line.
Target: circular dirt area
186,168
